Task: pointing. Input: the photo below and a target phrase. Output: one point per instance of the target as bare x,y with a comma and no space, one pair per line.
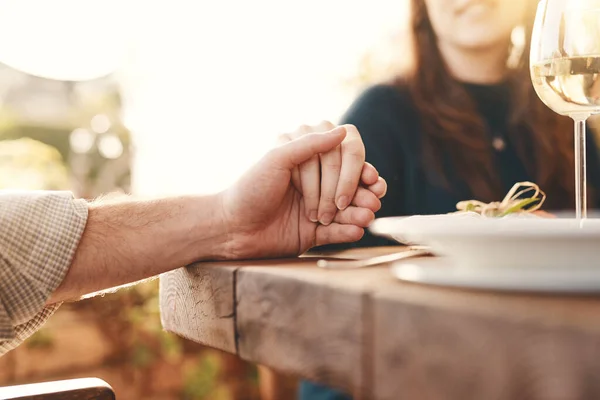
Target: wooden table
367,333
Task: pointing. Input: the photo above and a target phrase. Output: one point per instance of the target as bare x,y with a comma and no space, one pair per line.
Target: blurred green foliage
200,382
75,106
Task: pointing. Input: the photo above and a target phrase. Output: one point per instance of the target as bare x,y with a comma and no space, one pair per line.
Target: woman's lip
466,4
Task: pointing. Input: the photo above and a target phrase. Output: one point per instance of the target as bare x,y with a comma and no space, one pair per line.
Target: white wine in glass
565,70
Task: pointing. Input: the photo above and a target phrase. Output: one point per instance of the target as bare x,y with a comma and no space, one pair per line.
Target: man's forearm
126,241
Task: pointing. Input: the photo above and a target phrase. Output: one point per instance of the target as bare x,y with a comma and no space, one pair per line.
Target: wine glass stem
580,170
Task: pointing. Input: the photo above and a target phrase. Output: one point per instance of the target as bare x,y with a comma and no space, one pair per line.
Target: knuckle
332,166
354,145
328,199
356,154
311,197
303,129
355,216
326,125
284,138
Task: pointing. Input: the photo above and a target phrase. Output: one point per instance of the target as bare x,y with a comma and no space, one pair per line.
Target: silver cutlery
411,252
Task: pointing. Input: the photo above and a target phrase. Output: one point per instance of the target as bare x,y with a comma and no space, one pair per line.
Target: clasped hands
338,185
314,189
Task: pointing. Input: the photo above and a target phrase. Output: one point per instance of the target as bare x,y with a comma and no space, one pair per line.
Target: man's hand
265,211
262,215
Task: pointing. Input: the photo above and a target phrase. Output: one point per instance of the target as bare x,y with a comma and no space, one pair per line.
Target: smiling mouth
466,5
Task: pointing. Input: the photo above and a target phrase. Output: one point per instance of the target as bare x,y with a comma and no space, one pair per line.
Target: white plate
433,271
475,243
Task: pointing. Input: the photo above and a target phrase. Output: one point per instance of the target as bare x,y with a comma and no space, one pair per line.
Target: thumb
300,150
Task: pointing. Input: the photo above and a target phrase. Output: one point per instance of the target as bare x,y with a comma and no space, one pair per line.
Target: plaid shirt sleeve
39,233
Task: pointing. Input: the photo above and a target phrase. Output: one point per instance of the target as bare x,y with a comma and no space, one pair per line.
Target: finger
364,198
299,150
353,160
331,163
337,233
379,189
308,175
355,216
281,140
296,179
369,175
329,171
310,179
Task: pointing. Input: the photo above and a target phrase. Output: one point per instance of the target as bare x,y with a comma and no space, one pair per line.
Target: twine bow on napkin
513,202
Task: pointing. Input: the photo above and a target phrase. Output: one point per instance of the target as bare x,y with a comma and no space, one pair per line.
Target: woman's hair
454,129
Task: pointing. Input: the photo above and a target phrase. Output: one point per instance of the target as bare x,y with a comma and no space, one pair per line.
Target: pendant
498,144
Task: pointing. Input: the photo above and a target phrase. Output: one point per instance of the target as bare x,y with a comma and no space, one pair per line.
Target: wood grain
197,303
306,321
366,333
301,328
433,343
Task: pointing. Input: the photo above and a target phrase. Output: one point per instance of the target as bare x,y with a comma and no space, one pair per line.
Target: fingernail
380,179
326,219
313,216
343,202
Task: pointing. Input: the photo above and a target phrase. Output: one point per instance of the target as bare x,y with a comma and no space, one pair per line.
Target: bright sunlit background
209,85
205,86
164,97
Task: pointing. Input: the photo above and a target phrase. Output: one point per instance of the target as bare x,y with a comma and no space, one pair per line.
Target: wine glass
565,70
